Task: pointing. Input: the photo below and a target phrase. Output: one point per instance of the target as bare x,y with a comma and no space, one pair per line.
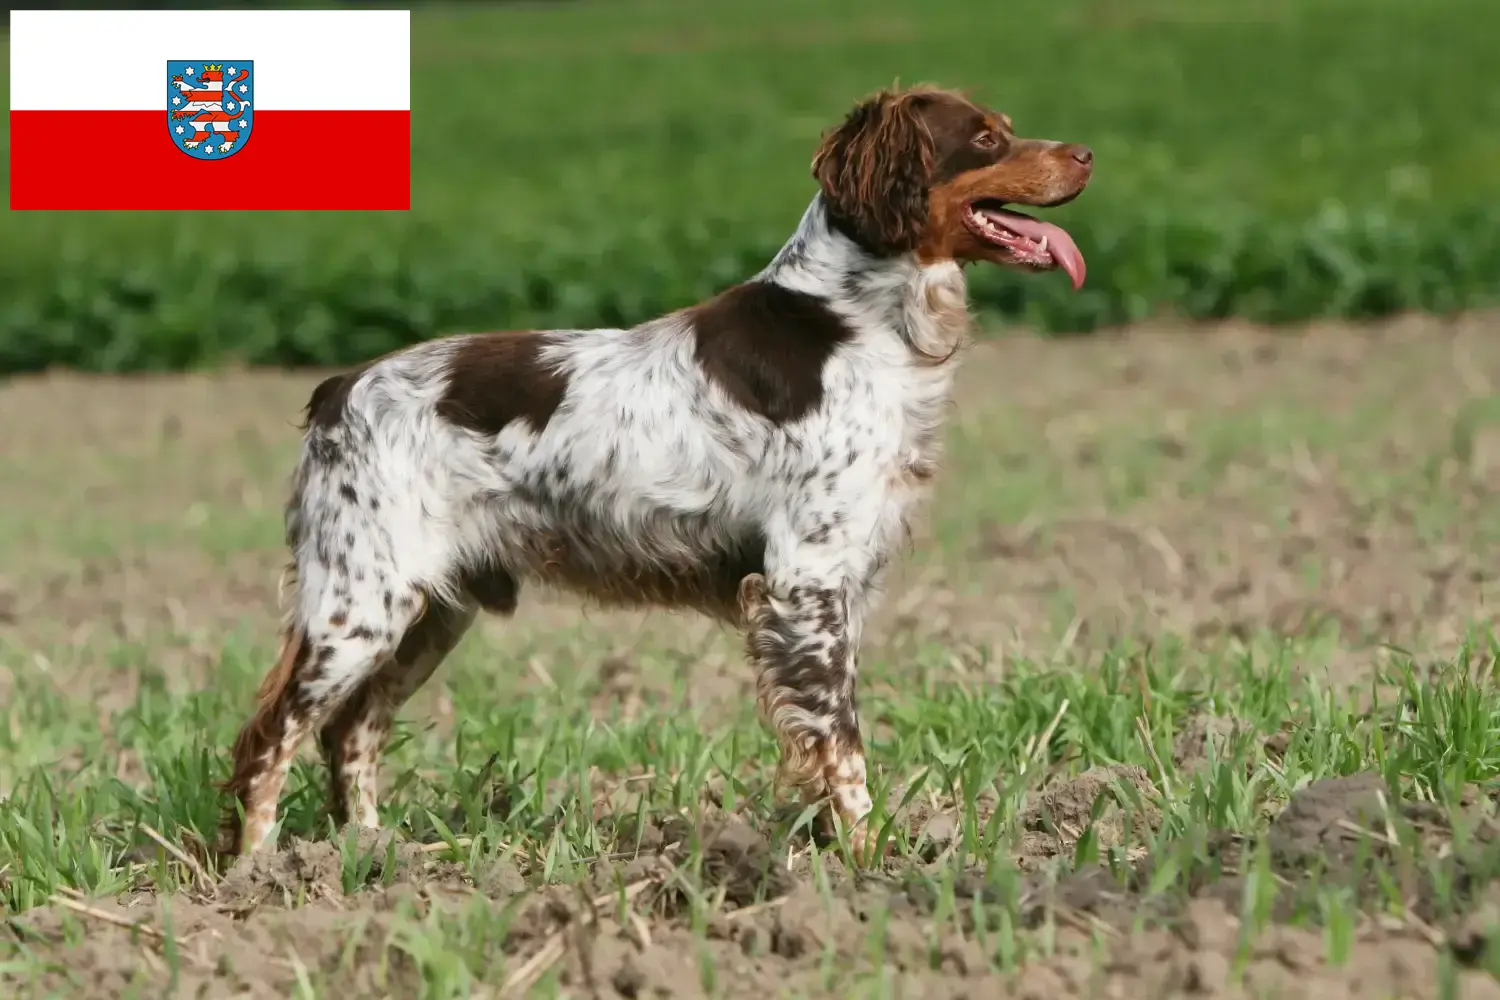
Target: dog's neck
926,305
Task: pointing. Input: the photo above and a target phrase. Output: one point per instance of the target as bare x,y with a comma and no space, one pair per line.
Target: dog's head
927,171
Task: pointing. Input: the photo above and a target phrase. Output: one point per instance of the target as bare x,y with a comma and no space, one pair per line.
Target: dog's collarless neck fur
925,305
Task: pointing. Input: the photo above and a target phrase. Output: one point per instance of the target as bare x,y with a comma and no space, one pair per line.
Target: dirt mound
1117,803
311,870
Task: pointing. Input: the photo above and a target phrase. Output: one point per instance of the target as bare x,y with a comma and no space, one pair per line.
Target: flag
204,110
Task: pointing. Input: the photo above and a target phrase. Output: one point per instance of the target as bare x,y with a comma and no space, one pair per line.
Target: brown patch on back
766,346
497,378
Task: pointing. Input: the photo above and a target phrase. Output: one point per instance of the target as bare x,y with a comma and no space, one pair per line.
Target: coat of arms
209,112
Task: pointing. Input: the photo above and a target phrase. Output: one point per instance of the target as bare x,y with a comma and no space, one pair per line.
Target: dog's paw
865,845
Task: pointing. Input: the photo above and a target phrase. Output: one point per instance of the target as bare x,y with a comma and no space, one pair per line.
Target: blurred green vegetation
599,162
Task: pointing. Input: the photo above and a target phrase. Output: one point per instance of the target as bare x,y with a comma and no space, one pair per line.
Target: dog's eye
985,140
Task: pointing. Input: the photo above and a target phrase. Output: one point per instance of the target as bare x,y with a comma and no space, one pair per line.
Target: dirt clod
1326,821
1111,800
740,860
1204,737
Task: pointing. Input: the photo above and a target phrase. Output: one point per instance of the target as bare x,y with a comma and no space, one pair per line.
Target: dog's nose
1082,154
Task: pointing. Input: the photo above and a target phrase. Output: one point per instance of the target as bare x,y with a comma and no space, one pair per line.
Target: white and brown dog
754,457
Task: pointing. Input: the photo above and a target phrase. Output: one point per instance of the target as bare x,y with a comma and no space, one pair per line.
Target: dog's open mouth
1027,242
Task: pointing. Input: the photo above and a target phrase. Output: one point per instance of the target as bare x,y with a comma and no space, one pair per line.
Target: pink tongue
1059,243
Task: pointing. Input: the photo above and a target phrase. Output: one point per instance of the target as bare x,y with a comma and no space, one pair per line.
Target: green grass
68,822
596,163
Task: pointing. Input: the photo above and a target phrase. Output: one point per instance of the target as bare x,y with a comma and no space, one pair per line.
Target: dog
754,457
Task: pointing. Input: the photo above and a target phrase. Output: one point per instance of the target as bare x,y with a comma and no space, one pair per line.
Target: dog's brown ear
874,170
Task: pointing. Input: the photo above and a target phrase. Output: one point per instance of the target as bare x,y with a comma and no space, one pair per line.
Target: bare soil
1197,483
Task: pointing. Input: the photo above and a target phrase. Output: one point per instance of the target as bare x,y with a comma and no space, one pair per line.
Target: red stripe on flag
301,160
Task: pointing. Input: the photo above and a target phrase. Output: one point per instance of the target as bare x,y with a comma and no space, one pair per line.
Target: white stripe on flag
305,60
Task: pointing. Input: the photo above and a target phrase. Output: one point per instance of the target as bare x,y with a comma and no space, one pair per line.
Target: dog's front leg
802,631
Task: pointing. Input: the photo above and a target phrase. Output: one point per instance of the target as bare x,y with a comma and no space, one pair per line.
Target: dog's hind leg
349,620
354,737
352,740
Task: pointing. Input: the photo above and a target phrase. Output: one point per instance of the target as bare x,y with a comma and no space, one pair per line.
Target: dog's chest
922,384
886,416
924,403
